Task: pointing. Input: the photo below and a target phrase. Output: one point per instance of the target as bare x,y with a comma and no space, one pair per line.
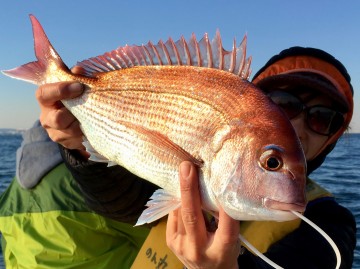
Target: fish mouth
278,205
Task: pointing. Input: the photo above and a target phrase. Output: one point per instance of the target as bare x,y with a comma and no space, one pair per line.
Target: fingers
58,121
56,118
228,231
186,232
172,225
70,137
187,220
189,190
51,94
191,211
78,70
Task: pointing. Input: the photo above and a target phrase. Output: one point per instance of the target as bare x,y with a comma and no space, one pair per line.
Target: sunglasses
320,119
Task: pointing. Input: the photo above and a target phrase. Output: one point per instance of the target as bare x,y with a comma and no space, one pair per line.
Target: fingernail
185,169
76,87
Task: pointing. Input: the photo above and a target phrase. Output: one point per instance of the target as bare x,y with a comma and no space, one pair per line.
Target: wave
9,131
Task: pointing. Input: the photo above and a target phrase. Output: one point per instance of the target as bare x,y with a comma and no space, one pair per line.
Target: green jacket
50,226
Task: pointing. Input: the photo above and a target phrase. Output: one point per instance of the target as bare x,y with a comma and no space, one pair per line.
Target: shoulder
328,210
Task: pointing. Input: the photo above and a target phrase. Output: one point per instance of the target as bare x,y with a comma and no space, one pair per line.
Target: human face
310,141
312,118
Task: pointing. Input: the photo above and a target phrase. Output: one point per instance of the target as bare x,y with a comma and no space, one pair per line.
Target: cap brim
286,81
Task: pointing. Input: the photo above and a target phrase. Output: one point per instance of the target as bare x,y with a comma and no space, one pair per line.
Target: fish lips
283,206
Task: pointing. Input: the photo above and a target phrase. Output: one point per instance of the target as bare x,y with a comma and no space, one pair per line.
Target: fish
150,107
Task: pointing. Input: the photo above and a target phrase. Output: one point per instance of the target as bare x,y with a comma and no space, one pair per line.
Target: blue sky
80,29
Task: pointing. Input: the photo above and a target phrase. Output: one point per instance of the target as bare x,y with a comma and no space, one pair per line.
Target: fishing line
258,253
330,241
317,228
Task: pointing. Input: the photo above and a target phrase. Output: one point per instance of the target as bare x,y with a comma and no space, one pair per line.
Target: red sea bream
149,107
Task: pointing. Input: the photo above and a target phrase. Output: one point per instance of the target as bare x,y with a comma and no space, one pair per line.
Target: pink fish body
150,107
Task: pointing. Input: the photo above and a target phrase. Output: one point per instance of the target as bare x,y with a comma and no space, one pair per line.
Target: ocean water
340,174
10,140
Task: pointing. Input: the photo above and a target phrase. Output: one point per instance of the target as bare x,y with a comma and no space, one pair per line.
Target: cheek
315,143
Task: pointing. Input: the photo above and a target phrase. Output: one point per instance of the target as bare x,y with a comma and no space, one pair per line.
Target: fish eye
271,161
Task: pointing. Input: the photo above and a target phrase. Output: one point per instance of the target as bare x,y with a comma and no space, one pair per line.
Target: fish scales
136,110
185,101
184,130
197,83
134,103
178,127
204,105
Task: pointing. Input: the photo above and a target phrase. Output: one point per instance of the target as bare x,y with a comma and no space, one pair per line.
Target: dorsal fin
204,53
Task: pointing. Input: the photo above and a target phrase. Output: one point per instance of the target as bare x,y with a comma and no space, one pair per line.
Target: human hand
186,232
58,121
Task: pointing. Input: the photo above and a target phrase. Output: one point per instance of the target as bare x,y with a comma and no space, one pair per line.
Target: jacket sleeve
306,248
113,191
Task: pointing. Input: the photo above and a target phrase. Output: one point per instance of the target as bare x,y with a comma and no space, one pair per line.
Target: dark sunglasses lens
323,120
290,104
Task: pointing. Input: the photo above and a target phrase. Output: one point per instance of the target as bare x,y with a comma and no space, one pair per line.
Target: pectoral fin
163,144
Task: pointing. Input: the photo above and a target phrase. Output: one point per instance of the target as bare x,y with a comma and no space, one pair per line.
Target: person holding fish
314,90
261,185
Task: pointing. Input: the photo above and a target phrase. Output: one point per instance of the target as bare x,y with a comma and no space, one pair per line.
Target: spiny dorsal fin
204,53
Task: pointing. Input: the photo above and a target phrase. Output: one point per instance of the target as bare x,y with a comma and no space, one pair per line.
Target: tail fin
36,72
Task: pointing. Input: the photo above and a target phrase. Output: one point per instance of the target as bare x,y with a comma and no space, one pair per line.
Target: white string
331,242
317,228
258,253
